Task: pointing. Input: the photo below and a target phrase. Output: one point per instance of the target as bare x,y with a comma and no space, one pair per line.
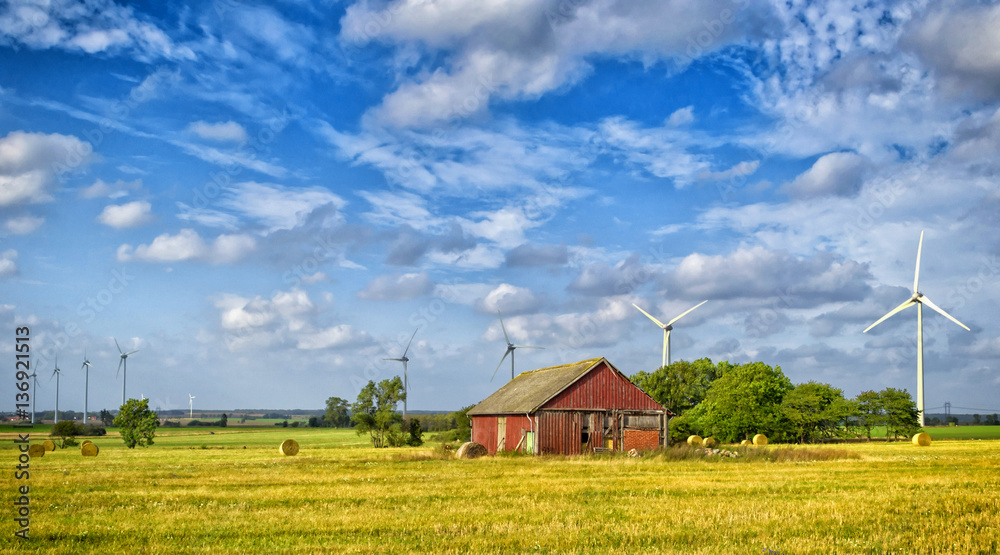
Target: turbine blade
940,311
909,302
499,365
686,313
658,323
120,360
507,339
116,345
132,352
527,347
399,359
916,274
666,341
411,341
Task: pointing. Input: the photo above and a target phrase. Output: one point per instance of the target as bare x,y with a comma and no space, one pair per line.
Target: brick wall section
641,439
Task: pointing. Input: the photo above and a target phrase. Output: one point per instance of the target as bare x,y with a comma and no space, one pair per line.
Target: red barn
571,409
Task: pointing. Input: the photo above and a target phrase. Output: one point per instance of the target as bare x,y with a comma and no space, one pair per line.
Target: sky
268,199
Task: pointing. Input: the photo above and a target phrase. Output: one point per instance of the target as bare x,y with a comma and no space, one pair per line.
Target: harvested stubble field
195,492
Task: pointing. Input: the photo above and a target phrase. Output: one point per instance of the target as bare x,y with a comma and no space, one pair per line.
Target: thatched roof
527,392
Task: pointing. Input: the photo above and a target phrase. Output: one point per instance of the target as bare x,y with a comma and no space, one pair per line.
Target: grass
196,492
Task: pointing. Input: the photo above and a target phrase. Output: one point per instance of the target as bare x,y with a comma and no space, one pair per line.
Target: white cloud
334,337
509,299
735,173
837,173
228,131
683,116
29,162
188,245
23,225
8,266
394,288
277,207
122,216
101,188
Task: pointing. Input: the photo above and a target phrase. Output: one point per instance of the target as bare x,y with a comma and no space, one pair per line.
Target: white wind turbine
86,384
404,360
56,372
666,329
920,300
510,350
191,401
123,362
34,394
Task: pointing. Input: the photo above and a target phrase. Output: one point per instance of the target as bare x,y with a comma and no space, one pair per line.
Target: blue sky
268,199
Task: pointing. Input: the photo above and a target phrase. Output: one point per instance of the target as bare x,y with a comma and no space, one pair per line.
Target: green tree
224,420
463,427
337,412
66,430
743,400
977,419
136,423
107,418
901,415
680,385
415,438
374,413
869,411
814,409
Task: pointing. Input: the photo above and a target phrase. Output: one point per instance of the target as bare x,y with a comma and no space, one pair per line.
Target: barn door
501,432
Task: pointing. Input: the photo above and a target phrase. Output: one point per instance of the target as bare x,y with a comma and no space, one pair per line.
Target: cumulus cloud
334,337
121,216
396,288
188,245
528,255
509,299
29,161
101,188
837,173
684,116
23,225
601,279
8,264
228,131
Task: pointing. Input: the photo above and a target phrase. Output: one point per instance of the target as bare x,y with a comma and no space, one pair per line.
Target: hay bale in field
709,442
760,439
36,450
86,441
745,443
289,448
922,439
694,440
49,445
471,450
89,449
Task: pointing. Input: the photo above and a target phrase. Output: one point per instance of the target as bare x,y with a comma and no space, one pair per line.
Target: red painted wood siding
484,432
559,432
603,388
486,428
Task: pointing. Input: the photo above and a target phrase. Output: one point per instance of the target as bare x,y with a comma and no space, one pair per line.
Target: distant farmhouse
583,407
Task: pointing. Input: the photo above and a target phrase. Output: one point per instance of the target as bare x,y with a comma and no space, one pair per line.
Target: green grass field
232,492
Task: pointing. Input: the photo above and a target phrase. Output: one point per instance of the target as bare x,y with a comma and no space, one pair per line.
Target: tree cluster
735,401
136,423
374,413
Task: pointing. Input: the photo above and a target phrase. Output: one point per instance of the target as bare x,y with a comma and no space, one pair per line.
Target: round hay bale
922,439
289,447
746,442
49,445
760,439
694,440
471,450
36,450
84,442
89,450
709,442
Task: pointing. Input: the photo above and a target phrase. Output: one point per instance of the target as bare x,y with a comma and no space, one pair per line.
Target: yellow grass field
195,492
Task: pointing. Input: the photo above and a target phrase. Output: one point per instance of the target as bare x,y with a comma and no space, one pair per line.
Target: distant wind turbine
34,394
920,300
123,362
666,329
191,401
406,380
56,373
86,384
510,350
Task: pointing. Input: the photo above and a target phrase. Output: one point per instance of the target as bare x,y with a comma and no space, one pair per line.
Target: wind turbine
920,300
510,350
406,381
191,401
86,384
666,329
123,361
34,394
56,372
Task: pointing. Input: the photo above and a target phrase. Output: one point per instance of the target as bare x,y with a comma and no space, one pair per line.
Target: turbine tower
191,401
406,381
56,372
123,362
920,300
86,385
510,350
666,329
34,393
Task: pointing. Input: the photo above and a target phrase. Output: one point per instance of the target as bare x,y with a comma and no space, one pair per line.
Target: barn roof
527,392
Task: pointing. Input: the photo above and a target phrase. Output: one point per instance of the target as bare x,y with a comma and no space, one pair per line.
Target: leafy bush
93,430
